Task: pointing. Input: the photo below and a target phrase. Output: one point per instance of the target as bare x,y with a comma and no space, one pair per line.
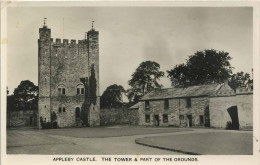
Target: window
147,105
188,101
166,104
80,89
62,109
201,119
147,118
165,118
61,89
181,117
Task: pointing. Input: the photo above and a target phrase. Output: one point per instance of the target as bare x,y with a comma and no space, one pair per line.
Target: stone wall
119,116
219,115
22,118
177,107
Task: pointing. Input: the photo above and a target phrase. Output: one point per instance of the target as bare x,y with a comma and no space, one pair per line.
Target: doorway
234,117
156,120
189,117
31,121
77,115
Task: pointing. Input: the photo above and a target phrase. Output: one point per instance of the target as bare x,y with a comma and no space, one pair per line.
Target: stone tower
61,67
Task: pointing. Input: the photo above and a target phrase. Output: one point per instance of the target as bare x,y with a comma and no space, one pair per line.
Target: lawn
211,143
103,132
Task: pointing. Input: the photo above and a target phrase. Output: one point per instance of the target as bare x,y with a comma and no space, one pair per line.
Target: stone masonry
177,107
213,107
61,64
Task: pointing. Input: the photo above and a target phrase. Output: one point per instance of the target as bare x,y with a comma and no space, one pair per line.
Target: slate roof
192,91
135,106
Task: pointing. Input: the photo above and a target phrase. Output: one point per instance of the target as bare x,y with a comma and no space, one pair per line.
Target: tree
204,67
240,79
144,79
112,97
25,96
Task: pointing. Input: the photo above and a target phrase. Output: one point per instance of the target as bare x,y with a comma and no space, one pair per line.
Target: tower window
62,109
61,89
80,89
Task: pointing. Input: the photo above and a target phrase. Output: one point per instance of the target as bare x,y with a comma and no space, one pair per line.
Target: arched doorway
77,116
234,117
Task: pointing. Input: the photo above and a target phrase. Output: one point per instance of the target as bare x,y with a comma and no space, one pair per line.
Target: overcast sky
128,36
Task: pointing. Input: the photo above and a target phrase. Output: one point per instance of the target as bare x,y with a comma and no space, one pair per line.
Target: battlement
58,41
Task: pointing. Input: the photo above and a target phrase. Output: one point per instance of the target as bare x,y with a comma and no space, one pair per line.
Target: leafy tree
144,79
25,96
204,67
10,103
240,79
112,97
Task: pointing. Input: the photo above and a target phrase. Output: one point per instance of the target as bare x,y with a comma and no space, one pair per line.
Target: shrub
229,125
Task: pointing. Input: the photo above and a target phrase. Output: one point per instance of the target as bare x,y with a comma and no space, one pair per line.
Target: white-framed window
80,89
62,89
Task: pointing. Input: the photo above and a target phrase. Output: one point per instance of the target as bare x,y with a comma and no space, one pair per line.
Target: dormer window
61,89
80,89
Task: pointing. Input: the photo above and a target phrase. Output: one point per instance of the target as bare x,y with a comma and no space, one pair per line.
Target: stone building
68,76
199,106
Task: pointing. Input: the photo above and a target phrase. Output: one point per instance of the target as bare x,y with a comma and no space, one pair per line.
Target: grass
213,143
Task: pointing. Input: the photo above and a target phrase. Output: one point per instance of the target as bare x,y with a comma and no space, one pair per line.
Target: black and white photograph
172,81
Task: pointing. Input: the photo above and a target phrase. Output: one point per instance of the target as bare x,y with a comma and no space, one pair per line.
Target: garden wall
22,118
119,116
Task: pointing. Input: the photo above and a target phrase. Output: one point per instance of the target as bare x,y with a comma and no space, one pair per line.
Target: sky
129,36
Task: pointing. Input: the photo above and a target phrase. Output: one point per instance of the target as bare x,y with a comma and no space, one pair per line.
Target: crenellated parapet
68,42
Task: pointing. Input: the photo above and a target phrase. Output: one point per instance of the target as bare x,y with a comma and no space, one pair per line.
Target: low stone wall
23,118
119,116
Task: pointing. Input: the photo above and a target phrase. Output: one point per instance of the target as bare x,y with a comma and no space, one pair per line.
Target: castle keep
68,76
